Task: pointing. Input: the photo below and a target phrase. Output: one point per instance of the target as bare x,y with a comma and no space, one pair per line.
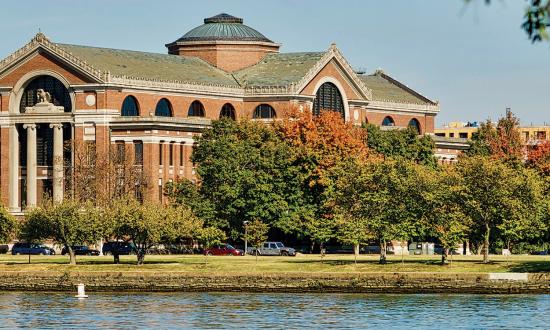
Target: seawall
486,283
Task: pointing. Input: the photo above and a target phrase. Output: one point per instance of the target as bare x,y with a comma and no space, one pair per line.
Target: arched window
227,111
415,124
196,109
328,97
264,111
130,107
58,92
388,121
164,108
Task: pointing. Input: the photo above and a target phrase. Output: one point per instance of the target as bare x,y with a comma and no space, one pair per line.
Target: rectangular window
463,135
90,153
138,153
161,153
171,154
160,193
181,155
451,134
120,152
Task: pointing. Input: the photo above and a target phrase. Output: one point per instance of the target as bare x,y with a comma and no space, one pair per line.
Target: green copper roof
278,69
151,65
223,27
384,88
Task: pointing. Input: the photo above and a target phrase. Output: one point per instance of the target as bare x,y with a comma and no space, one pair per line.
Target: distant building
151,105
529,134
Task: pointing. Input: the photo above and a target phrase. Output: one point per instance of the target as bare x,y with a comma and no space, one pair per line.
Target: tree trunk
116,258
312,247
486,244
402,253
140,256
72,256
444,255
382,252
355,252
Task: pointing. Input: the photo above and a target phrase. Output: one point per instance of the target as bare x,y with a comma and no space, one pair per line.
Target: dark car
31,248
81,250
223,250
541,253
120,248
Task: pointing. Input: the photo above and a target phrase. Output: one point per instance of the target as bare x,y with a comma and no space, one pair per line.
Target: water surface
276,311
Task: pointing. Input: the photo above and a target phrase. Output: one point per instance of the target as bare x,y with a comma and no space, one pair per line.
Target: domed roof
223,27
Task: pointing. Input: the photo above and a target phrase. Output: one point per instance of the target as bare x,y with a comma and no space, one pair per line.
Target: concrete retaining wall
286,282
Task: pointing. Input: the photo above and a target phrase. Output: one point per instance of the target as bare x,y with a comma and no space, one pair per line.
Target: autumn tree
502,141
68,223
101,175
320,143
538,158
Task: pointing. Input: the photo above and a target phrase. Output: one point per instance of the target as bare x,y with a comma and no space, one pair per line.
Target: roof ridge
401,85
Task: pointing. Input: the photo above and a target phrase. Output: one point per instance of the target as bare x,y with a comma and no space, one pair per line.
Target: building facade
56,96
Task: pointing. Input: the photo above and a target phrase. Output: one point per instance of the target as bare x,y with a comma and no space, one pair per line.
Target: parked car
273,249
223,250
31,248
81,250
120,248
541,253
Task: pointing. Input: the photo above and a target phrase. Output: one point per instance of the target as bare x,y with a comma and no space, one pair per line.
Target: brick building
152,105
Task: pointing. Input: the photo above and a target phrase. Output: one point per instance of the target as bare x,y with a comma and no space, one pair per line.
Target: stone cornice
406,107
160,123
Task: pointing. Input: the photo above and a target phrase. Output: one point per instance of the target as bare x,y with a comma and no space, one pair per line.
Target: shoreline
399,282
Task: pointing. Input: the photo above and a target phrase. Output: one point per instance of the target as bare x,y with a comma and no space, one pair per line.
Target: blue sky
474,59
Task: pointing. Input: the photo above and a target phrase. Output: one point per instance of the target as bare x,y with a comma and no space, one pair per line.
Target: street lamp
245,224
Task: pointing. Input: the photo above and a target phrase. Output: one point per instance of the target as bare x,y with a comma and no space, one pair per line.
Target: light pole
245,224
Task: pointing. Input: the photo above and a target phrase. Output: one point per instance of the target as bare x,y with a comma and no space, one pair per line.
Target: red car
223,250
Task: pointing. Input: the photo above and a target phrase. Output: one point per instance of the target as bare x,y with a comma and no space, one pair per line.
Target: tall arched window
196,109
264,111
227,111
130,107
163,109
328,97
415,124
388,121
58,92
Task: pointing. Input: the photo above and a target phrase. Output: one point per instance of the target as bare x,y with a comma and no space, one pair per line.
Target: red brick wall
228,57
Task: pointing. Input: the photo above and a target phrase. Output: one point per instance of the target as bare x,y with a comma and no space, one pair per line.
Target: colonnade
32,165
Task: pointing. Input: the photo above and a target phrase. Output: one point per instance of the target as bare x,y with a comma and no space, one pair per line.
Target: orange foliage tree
320,143
538,157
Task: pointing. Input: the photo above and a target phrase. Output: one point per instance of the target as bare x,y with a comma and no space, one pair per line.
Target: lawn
301,264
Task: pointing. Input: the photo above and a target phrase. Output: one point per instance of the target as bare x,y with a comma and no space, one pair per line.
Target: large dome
223,27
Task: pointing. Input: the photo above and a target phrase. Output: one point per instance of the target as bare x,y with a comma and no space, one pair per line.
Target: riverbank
305,273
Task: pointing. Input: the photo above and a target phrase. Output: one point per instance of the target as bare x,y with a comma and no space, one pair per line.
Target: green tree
185,192
246,172
375,200
256,234
401,144
497,195
67,223
150,223
8,225
444,194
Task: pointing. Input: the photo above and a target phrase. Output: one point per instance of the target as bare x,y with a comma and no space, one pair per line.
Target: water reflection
289,311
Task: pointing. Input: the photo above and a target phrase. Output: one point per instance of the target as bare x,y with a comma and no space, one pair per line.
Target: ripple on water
289,311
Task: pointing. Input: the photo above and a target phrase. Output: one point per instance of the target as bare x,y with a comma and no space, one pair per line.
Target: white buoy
81,291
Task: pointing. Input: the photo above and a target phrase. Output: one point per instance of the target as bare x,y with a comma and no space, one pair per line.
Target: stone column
31,164
57,162
13,169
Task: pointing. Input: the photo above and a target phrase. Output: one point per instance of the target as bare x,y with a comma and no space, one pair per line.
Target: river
276,311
